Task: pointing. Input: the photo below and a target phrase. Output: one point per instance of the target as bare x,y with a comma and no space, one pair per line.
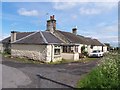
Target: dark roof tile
34,38
72,38
6,40
39,38
20,35
51,38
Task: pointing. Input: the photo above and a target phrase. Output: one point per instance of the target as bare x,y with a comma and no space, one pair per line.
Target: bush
103,76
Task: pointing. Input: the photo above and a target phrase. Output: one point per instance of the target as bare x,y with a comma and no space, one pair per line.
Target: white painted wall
97,48
105,49
89,49
79,48
94,48
49,53
86,49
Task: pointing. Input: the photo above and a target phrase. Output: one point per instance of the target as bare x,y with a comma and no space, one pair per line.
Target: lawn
105,75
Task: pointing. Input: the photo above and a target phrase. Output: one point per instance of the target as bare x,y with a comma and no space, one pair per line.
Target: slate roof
72,38
6,40
51,38
98,43
18,36
45,37
93,42
38,38
84,39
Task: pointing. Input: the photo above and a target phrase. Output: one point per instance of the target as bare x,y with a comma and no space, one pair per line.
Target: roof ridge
43,37
25,37
26,32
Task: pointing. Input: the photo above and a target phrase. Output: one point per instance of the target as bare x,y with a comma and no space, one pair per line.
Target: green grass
83,60
5,54
26,60
103,76
23,60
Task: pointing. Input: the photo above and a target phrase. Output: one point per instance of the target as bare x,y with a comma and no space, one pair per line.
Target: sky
93,19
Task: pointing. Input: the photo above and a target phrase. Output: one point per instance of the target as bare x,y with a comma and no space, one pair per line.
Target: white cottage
50,45
43,46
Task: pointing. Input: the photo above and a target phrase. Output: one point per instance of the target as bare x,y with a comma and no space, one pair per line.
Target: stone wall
36,52
35,55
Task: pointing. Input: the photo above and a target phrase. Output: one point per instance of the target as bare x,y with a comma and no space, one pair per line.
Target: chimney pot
13,36
51,24
50,17
74,31
53,17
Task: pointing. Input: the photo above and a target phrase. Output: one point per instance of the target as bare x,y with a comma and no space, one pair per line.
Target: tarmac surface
24,75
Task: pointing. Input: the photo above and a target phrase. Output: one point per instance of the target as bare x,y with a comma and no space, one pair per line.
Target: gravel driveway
56,76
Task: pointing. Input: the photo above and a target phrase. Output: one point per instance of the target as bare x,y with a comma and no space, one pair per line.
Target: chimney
13,36
51,24
74,30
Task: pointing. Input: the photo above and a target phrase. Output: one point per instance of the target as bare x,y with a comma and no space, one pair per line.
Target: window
91,46
57,52
64,48
76,48
70,49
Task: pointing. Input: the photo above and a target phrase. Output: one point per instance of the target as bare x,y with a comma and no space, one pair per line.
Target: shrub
103,76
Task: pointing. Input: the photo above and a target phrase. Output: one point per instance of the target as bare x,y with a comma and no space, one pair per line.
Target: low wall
70,56
57,58
76,56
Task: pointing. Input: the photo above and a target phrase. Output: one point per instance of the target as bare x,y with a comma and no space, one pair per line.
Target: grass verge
103,76
26,60
83,60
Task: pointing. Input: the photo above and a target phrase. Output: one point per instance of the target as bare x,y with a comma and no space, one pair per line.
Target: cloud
74,17
24,12
108,28
60,0
86,8
106,5
97,8
104,32
89,11
63,5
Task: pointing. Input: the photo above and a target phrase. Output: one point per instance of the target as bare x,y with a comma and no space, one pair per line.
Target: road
58,76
